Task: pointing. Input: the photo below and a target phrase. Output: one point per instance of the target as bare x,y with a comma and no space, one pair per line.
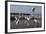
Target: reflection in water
25,21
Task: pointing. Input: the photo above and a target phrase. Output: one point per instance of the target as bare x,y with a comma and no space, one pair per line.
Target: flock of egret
18,17
26,20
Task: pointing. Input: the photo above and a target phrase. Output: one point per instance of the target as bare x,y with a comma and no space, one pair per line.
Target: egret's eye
12,18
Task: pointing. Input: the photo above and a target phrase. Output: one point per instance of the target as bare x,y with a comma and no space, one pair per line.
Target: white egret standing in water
33,10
